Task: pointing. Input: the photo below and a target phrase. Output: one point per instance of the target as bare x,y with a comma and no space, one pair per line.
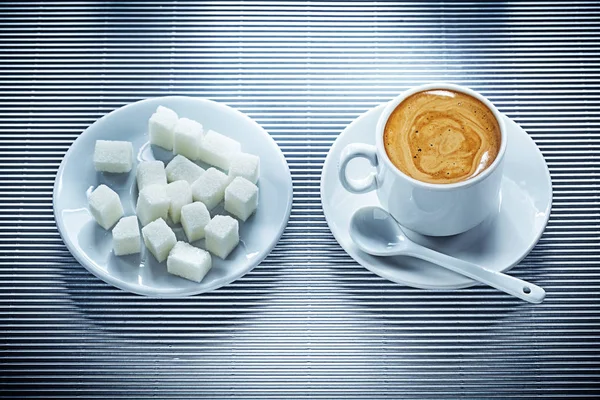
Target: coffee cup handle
350,152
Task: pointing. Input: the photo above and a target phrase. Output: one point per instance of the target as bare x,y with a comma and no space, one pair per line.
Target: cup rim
391,106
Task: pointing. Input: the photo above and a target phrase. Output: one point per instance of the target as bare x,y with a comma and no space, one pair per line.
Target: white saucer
141,273
499,243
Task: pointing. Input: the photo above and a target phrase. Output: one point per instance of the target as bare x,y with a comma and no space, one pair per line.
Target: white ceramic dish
499,243
141,273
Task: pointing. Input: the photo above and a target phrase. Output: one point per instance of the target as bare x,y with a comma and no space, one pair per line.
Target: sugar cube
187,137
105,206
241,198
180,194
159,239
246,166
222,235
152,203
126,236
210,187
113,156
194,218
161,127
189,262
180,168
150,173
218,150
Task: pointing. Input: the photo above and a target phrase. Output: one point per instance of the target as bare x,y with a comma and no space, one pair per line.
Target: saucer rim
469,283
155,292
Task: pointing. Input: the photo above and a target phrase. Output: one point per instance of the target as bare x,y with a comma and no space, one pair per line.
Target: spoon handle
506,283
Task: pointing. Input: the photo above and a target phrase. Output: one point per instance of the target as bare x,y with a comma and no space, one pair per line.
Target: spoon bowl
374,229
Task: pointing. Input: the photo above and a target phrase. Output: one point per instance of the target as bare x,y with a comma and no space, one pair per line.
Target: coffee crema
442,136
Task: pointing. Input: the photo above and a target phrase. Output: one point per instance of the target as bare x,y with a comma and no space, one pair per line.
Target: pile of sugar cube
182,192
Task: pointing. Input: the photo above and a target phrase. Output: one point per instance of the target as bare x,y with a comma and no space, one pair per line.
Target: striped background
308,322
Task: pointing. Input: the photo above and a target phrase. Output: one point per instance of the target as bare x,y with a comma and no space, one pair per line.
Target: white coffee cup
427,208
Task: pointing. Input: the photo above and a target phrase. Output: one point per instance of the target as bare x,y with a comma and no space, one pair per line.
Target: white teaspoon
376,232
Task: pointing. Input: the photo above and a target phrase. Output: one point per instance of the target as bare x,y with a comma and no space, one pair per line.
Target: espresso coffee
442,136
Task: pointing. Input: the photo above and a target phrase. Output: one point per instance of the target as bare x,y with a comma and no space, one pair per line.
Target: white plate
92,246
499,243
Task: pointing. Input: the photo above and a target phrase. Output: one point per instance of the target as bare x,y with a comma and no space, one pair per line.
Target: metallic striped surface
308,322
